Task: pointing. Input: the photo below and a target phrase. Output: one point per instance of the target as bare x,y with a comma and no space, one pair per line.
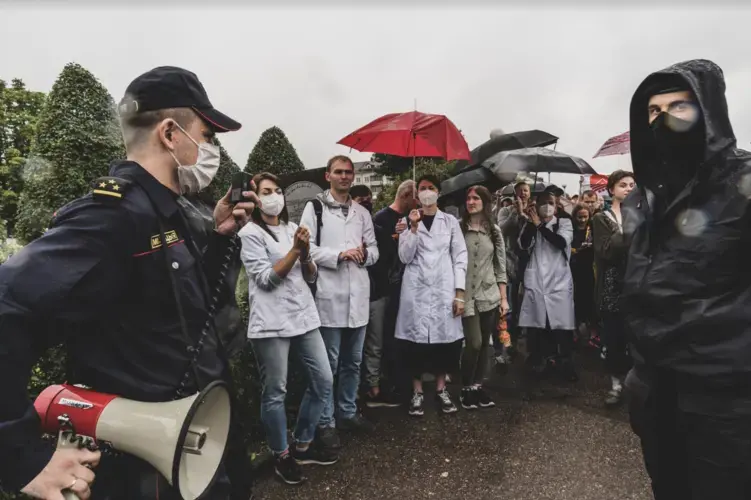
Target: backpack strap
318,209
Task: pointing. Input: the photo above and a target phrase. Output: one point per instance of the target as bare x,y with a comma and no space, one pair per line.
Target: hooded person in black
687,287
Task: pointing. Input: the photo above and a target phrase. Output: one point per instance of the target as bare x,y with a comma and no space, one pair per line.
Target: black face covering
368,206
680,147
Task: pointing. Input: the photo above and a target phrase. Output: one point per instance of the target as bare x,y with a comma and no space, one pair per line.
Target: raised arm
265,274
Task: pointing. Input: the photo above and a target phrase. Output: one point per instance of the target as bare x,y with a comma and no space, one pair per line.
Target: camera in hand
241,181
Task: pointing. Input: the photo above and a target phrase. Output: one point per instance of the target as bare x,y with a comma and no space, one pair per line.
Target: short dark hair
256,215
429,178
360,191
337,158
617,177
589,192
136,125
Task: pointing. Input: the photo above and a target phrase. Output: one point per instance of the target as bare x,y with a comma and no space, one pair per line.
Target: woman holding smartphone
283,315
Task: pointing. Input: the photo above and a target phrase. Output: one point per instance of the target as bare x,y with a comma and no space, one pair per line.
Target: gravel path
543,441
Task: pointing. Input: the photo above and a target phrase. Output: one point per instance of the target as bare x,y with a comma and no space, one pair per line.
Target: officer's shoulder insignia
109,188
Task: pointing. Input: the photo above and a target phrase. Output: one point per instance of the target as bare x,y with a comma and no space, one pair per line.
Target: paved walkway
548,441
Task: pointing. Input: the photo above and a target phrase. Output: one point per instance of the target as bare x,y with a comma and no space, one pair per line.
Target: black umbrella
536,160
506,142
471,177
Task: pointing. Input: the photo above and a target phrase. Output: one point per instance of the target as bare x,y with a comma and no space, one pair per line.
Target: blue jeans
344,348
272,355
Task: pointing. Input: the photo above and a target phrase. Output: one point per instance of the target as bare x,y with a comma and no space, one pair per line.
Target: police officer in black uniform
122,281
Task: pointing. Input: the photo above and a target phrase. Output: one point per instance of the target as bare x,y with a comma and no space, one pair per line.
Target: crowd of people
380,300
660,275
398,293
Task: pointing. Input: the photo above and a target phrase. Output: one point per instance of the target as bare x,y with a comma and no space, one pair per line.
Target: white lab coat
548,283
343,288
279,307
435,267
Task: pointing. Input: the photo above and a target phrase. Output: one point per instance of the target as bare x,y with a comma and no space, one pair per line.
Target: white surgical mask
428,198
197,177
272,204
546,211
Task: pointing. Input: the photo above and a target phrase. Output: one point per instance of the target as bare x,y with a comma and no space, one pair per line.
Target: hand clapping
302,242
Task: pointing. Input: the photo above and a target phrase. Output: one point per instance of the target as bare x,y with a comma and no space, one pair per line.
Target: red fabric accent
84,418
618,145
598,183
157,249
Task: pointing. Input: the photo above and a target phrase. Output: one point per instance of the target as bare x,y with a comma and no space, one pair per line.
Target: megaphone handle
69,495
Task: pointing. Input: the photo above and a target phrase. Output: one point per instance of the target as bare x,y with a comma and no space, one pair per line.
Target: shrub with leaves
19,111
275,154
77,137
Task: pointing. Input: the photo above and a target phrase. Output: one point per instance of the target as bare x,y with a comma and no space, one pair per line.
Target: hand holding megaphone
66,476
184,439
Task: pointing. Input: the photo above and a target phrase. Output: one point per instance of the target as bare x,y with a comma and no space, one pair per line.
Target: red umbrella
618,145
410,134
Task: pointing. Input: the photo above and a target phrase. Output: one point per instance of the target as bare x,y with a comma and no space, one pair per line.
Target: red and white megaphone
184,440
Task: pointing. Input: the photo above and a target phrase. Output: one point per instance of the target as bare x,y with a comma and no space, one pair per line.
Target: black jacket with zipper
687,289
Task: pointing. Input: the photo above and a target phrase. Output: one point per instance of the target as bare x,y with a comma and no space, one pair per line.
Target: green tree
19,111
394,166
77,137
274,153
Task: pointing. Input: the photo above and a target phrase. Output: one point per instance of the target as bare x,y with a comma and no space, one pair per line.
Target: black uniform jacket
99,281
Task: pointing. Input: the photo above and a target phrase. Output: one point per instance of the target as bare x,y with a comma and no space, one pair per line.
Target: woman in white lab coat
547,309
432,298
283,314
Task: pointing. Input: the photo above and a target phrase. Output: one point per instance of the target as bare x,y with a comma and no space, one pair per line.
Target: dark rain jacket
687,289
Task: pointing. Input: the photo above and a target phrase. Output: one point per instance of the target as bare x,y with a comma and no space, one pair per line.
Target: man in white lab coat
347,246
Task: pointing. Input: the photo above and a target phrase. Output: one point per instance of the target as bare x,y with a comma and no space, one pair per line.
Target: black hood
707,82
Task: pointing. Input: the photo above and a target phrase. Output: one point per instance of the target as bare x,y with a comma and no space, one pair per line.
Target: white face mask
546,211
428,198
272,204
197,177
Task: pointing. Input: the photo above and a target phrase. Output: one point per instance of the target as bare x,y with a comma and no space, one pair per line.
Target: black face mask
368,206
680,146
676,140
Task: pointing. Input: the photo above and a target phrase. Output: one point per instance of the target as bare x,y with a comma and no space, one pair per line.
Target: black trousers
690,452
614,337
391,363
544,343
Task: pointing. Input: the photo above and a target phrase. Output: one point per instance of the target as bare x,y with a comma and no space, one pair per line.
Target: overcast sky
321,73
